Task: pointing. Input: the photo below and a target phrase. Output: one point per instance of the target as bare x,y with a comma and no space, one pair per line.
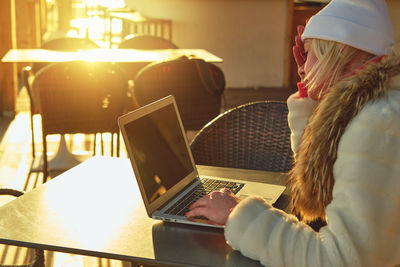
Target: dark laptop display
160,151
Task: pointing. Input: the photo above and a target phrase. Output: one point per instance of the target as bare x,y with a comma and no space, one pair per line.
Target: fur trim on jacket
311,179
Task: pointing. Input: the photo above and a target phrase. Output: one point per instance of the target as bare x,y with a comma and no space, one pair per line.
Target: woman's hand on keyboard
216,206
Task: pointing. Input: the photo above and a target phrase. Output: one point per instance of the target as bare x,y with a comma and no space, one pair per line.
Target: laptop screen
159,148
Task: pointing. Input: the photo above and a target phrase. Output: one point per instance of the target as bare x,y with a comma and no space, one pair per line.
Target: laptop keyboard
204,188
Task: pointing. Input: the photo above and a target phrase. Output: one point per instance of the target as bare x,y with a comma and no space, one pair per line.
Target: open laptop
164,168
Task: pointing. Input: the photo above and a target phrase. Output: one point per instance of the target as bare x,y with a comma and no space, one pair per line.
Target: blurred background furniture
299,12
65,44
80,97
145,42
38,258
28,72
135,23
105,55
198,87
252,136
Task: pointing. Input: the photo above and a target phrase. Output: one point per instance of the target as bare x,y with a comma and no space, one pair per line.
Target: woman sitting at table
345,123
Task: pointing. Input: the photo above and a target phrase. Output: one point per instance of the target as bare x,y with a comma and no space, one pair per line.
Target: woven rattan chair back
38,260
252,136
80,97
196,85
28,72
144,42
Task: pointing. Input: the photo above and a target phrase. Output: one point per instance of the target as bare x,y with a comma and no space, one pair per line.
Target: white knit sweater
364,216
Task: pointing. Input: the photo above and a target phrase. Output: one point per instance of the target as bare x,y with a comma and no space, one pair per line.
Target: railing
105,25
135,23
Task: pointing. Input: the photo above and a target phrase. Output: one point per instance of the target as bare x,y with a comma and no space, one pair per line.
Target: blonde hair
333,62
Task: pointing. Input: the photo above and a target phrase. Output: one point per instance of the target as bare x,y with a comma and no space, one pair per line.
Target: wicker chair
79,97
38,260
28,72
252,136
144,42
198,87
65,44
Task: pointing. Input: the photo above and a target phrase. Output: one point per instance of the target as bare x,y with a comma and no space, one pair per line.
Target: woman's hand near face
216,206
299,52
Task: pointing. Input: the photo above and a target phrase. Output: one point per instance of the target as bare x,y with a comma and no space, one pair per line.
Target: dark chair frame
144,42
252,136
80,97
39,253
198,87
28,72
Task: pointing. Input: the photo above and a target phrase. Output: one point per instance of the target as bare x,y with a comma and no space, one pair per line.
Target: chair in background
198,87
147,42
28,72
252,136
79,97
65,44
144,42
38,260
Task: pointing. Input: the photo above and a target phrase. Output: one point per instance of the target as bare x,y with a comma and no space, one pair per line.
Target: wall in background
249,35
394,11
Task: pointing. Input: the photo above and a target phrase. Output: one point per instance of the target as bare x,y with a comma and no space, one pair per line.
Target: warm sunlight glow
95,27
98,23
66,204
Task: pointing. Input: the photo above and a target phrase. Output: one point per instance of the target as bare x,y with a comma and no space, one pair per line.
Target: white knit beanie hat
363,24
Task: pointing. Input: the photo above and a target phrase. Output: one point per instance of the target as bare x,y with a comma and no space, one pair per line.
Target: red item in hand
302,89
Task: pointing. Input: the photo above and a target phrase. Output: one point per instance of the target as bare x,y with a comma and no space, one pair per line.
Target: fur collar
311,179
